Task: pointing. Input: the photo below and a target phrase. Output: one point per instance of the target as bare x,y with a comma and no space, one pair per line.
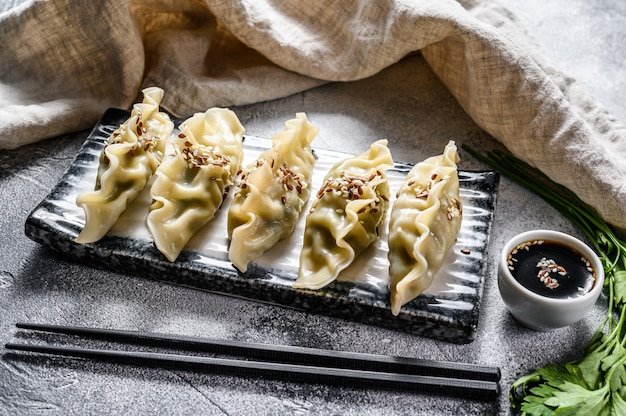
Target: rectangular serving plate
448,310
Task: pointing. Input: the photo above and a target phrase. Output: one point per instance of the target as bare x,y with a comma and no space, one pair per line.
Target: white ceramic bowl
541,312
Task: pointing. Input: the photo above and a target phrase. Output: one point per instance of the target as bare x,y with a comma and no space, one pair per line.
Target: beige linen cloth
62,63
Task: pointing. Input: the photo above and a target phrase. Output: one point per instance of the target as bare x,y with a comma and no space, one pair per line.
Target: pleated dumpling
193,179
271,193
423,225
345,217
130,156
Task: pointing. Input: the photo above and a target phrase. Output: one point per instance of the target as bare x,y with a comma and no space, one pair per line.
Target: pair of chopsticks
282,362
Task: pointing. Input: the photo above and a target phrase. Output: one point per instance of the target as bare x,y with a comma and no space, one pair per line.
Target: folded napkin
63,63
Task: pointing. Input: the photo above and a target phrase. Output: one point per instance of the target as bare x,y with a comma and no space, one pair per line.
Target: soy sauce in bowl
548,279
551,269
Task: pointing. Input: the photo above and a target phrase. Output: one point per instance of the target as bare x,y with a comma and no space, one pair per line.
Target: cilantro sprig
596,383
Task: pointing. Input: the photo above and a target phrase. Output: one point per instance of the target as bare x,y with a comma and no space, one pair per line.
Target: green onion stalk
596,383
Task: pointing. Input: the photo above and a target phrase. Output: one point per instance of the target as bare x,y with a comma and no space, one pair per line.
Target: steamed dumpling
193,179
345,217
131,155
423,225
271,194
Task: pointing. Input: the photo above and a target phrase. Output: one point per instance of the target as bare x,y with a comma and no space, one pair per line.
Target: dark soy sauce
551,269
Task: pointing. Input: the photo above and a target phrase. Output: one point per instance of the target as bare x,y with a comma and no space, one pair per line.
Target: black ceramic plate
448,310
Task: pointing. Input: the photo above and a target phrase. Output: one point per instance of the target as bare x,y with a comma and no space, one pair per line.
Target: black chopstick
329,367
472,389
284,353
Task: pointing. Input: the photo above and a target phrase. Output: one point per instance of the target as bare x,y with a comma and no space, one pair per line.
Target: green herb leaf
537,408
617,380
570,398
618,404
620,286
